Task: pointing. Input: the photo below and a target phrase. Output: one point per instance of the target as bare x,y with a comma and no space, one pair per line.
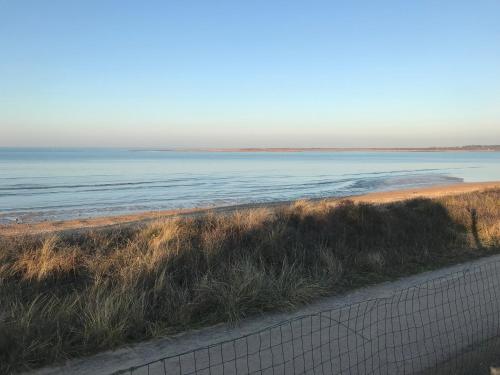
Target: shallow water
42,184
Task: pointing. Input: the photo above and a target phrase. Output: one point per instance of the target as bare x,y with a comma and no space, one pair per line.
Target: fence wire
415,330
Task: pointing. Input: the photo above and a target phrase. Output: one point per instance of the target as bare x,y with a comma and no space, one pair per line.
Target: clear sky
249,73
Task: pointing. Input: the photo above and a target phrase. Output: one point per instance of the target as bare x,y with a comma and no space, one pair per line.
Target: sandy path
98,222
404,326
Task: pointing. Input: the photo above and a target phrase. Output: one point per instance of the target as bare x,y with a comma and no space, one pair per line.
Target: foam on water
39,184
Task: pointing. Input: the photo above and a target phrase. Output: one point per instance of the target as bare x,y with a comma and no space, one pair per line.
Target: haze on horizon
249,74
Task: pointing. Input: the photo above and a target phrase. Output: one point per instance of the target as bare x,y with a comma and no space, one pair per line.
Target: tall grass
69,295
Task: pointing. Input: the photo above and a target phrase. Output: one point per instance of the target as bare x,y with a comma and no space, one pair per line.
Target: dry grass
68,296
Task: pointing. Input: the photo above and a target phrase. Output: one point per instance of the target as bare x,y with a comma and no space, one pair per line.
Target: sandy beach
130,219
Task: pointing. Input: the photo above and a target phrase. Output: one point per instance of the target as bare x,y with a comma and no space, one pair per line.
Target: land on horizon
467,148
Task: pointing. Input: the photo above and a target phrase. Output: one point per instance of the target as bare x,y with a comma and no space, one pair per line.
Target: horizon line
479,147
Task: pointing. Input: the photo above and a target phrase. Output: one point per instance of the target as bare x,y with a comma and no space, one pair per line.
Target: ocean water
43,184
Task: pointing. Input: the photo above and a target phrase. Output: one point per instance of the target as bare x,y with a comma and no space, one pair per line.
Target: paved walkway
405,326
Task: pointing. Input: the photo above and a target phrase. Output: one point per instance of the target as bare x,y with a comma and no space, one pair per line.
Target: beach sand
130,219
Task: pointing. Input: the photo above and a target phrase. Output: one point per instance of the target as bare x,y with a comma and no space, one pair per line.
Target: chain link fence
427,328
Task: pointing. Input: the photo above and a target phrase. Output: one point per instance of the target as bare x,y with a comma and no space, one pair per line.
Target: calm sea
42,184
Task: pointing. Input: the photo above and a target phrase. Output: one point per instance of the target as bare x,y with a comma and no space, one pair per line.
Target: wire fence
416,330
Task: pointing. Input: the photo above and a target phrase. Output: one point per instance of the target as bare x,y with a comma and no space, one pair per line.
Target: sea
57,184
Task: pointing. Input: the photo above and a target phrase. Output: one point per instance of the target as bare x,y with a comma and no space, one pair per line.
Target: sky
249,73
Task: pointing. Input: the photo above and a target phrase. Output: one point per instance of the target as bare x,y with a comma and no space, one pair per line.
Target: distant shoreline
468,148
472,148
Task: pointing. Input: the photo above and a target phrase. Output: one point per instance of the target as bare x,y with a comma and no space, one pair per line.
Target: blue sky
249,73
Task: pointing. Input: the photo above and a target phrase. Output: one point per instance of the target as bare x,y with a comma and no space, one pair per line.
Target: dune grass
63,296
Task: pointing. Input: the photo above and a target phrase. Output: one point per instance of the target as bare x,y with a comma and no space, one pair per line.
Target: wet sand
130,219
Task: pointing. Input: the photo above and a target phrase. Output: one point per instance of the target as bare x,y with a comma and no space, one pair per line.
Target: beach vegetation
75,293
